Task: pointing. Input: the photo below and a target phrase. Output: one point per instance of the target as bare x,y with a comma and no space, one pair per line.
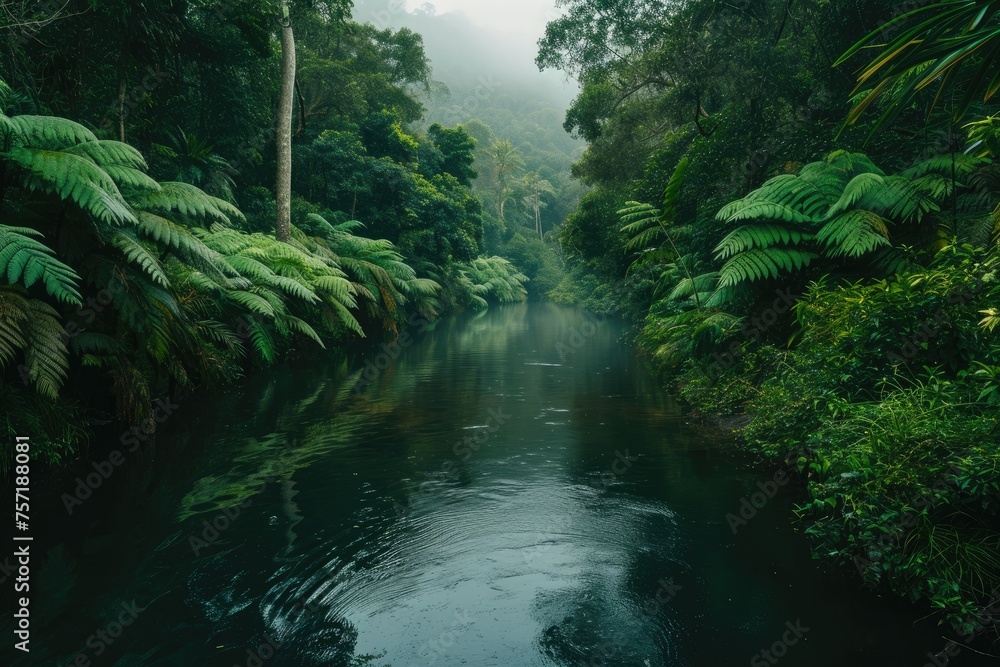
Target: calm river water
513,489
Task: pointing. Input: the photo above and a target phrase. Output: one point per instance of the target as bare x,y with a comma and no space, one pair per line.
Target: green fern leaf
75,179
758,236
14,315
188,201
27,261
763,210
854,234
138,254
46,356
50,132
762,263
252,302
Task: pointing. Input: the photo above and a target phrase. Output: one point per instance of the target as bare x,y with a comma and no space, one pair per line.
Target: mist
471,45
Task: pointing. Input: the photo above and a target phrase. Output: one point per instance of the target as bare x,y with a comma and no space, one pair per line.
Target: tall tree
283,185
536,186
505,162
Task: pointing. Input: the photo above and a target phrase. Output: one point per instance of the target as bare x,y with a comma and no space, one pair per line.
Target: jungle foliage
138,256
815,248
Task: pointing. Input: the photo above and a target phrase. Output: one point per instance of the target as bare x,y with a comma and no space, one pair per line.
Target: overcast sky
496,39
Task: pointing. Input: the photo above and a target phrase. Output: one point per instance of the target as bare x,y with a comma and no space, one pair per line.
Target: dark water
513,489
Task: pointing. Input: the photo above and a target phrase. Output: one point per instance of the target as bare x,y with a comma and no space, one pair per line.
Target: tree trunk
122,88
283,184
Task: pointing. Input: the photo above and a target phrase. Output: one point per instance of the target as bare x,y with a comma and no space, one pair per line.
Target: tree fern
647,225
642,226
188,201
48,132
27,261
841,208
72,178
14,313
46,356
758,236
854,234
289,323
136,253
761,263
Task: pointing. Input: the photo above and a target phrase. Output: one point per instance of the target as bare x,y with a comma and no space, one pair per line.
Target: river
510,488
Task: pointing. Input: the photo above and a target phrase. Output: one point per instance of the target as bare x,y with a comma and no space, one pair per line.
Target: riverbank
888,400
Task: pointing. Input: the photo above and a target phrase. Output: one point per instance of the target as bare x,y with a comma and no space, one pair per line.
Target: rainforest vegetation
139,249
795,201
806,197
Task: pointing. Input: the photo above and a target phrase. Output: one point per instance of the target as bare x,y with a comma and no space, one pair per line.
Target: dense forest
795,204
806,196
139,161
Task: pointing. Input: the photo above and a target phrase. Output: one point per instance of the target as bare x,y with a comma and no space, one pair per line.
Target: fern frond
764,210
252,302
902,199
14,314
262,341
138,254
46,356
758,236
26,261
945,165
859,188
291,323
188,201
50,132
761,263
90,342
337,288
346,317
105,153
854,234
72,178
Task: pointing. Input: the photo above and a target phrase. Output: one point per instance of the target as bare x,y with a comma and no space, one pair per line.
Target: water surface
511,489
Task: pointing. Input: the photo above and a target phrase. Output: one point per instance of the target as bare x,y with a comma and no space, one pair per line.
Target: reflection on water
513,489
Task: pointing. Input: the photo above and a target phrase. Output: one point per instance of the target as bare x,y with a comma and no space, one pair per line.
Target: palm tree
505,162
937,43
